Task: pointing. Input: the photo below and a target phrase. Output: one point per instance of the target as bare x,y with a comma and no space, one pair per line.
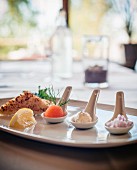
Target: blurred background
26,26
42,45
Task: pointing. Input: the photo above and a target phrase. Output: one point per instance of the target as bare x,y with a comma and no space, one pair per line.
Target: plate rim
64,143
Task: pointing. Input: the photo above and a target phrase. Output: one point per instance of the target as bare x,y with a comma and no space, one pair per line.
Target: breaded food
25,100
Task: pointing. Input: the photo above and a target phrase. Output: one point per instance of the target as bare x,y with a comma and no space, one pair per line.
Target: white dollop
82,117
120,121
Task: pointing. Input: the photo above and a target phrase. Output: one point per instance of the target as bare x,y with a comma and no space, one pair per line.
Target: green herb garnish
49,94
61,103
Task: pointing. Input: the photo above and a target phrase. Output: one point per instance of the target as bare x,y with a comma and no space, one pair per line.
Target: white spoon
118,131
64,98
119,110
52,119
91,105
91,110
83,125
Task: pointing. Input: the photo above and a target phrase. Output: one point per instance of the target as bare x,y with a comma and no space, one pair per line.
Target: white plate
67,135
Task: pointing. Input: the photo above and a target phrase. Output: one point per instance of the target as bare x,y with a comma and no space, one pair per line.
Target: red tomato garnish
54,111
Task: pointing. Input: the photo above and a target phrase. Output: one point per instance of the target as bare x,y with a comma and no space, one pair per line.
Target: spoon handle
91,105
119,105
65,97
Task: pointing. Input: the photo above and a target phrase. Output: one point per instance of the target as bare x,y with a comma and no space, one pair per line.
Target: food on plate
25,100
58,108
22,118
119,122
82,117
49,93
54,111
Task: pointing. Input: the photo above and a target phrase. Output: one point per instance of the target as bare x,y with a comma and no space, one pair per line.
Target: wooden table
17,153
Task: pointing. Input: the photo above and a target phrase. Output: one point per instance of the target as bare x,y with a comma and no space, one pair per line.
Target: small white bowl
53,120
118,130
83,125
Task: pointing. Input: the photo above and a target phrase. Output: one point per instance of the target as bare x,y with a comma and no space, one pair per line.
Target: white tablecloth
17,76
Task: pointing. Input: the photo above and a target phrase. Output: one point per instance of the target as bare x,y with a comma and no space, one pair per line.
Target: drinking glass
95,52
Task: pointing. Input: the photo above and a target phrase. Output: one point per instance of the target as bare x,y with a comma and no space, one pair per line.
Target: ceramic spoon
64,98
119,110
119,106
91,105
91,109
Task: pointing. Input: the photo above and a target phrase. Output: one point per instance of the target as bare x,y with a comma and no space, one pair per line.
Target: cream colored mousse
82,117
